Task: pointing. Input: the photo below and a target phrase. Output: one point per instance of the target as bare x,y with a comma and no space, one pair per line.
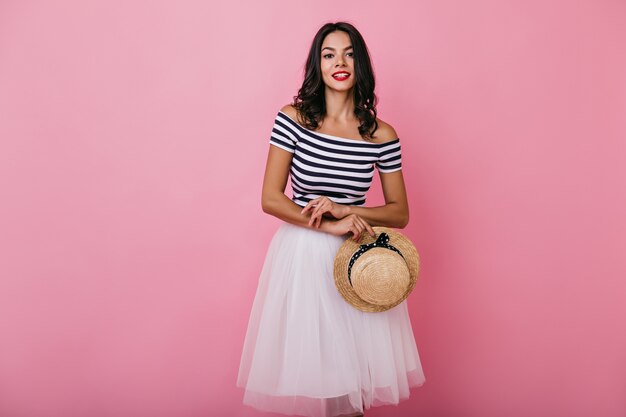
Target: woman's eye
330,55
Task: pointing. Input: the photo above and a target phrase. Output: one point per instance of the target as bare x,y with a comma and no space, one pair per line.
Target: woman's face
337,58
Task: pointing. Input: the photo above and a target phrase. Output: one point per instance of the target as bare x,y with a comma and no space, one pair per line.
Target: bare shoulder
385,132
290,111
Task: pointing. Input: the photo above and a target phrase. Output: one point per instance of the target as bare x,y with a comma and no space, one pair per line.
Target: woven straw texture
381,278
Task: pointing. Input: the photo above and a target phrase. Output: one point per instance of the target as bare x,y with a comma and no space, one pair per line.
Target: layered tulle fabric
307,351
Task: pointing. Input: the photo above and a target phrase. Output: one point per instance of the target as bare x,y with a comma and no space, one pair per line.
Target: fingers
320,214
309,205
361,226
315,211
312,218
321,205
306,208
316,216
317,207
366,226
369,229
355,232
358,226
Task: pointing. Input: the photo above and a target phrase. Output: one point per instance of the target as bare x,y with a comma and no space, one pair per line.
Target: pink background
133,144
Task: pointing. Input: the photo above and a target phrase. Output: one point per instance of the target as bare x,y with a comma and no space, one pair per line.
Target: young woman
307,351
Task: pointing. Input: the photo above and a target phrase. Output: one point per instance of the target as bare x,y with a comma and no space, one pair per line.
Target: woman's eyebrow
333,49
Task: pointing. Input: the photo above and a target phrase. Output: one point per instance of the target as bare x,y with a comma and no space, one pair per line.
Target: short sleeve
283,135
390,157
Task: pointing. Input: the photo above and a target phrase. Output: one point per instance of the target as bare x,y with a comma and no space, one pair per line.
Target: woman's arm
273,199
395,212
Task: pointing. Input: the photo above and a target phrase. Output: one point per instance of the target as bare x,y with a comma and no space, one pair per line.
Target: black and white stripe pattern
325,165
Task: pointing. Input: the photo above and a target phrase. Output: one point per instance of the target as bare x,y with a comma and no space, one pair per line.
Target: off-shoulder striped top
325,165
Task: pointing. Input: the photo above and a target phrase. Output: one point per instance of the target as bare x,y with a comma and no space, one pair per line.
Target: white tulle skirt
307,351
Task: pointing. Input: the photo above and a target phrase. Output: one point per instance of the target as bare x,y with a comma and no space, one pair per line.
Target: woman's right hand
352,223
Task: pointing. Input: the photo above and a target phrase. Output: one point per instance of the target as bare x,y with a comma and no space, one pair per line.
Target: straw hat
376,274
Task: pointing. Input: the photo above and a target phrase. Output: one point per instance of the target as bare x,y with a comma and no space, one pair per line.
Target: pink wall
132,147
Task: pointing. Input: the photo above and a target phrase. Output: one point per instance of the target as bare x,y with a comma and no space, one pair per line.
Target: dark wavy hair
310,101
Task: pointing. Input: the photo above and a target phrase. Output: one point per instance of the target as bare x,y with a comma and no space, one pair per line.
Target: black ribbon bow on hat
381,242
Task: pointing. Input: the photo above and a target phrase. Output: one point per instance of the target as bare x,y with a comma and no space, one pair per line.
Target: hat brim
350,246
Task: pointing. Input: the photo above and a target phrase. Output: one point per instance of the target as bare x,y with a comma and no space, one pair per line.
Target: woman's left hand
320,205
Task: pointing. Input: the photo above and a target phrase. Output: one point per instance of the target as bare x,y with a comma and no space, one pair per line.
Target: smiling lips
341,75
